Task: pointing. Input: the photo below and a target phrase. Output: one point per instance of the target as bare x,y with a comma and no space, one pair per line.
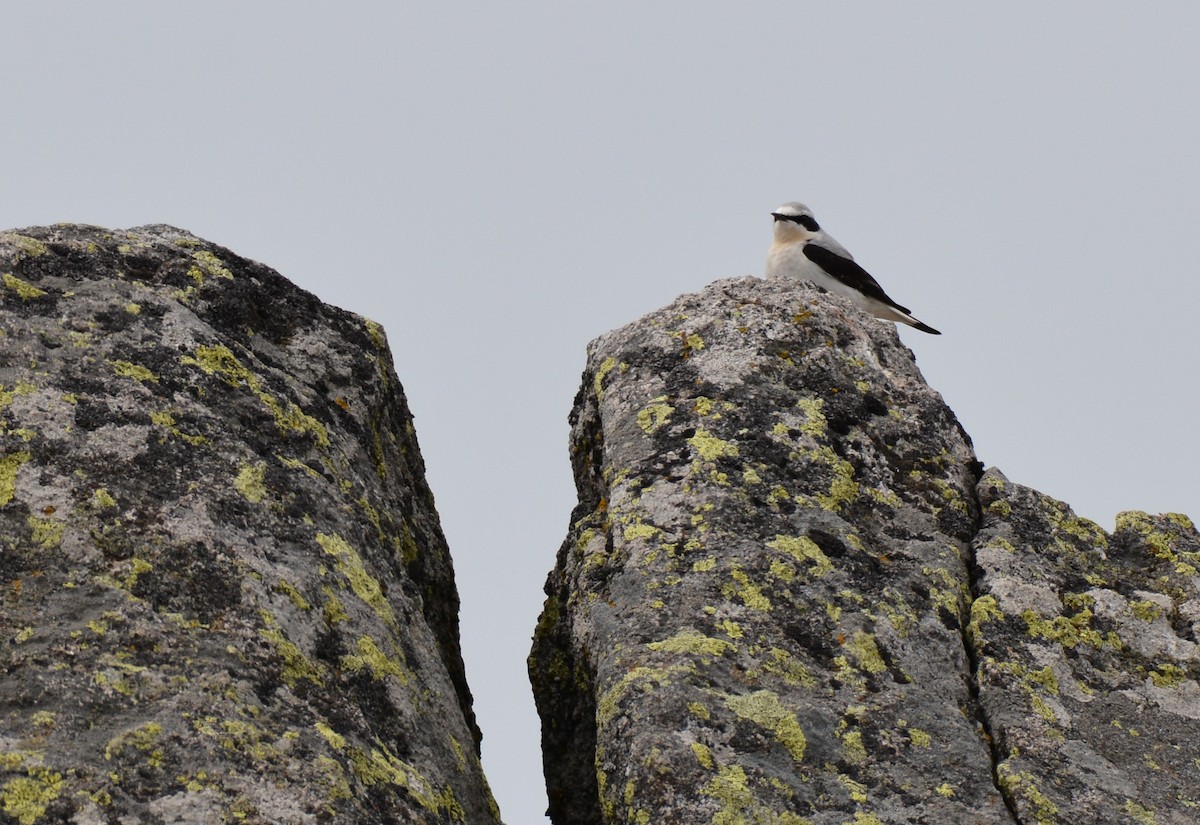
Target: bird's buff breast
787,260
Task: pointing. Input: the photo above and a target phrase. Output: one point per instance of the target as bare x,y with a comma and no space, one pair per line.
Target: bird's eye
807,222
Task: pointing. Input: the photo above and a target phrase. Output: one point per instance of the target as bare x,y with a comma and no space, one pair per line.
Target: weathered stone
758,613
768,611
1088,659
224,591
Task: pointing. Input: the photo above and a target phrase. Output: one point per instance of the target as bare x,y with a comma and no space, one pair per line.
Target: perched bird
803,250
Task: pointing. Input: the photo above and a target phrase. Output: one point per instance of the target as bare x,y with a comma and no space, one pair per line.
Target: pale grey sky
498,184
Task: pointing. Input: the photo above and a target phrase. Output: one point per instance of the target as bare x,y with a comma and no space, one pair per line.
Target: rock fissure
977,706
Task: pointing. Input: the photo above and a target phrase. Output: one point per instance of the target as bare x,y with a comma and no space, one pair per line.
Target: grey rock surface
767,609
1088,659
224,592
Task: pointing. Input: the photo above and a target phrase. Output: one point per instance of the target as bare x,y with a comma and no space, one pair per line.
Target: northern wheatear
802,249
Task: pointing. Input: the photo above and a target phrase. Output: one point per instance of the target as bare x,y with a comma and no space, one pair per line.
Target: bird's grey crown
792,208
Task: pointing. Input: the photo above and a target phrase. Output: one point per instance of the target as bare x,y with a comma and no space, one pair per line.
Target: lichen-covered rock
1088,659
224,592
788,595
758,614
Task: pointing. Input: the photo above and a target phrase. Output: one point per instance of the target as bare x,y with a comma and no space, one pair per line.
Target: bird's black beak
777,217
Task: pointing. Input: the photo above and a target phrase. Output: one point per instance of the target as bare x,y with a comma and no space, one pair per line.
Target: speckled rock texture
224,592
1088,659
767,610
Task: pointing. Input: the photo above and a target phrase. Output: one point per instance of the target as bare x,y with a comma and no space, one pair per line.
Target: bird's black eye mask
804,220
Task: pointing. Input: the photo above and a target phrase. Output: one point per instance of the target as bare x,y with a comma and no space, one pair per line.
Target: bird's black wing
849,273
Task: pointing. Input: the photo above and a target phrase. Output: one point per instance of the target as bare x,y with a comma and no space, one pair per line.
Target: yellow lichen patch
1000,508
764,709
950,495
732,629
945,790
949,597
643,678
102,499
731,789
365,586
601,373
861,818
782,570
640,531
249,482
25,290
296,666
127,369
1181,521
1140,813
900,613
211,265
710,448
690,342
854,752
703,755
332,609
9,465
297,464
884,497
1067,631
692,642
738,806
843,489
28,246
1044,679
20,388
1086,530
1145,610
380,664
815,424
744,589
460,756
804,550
380,765
919,738
26,798
166,420
866,652
782,663
375,332
47,533
1168,675
143,739
1022,785
220,361
654,415
138,567
294,596
335,739
984,609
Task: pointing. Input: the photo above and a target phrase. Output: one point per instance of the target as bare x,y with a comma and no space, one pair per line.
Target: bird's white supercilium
803,250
